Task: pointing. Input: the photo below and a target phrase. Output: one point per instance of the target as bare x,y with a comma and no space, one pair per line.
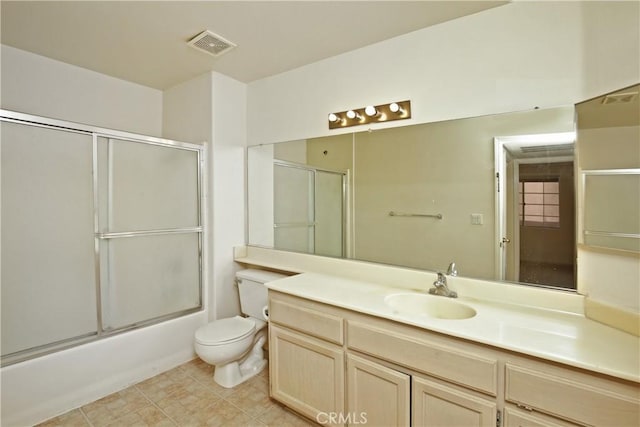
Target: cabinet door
307,375
437,404
377,395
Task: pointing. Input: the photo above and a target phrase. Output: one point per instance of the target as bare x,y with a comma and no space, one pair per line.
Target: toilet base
237,372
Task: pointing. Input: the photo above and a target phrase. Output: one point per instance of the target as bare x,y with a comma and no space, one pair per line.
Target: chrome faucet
440,287
451,271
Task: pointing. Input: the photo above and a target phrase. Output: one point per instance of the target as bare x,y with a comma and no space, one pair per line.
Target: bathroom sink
430,305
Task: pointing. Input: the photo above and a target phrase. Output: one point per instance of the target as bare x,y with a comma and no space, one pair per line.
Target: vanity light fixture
371,114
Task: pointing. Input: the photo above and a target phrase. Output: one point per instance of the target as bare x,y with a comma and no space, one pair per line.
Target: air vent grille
211,43
619,98
546,148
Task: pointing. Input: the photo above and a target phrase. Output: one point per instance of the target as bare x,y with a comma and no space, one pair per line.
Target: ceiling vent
211,43
620,98
541,148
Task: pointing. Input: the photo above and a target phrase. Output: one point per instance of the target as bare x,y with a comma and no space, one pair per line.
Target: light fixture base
384,114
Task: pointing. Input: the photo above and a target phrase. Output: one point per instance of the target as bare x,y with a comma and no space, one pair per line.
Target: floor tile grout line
86,417
217,394
205,386
253,418
154,404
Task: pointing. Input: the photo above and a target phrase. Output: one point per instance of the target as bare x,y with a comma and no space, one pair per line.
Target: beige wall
331,152
609,148
446,168
291,151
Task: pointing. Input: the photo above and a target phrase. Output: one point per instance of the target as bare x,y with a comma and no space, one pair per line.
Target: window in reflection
540,203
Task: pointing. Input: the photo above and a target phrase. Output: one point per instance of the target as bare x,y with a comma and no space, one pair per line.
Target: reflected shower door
612,208
329,204
294,217
48,257
308,209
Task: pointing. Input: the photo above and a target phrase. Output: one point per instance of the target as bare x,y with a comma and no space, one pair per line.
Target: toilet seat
225,331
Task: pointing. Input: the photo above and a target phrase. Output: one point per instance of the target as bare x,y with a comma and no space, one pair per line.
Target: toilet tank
252,292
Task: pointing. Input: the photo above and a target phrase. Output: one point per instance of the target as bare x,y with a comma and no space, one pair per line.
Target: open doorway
536,209
546,221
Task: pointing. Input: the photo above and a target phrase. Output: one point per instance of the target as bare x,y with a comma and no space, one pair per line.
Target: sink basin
430,305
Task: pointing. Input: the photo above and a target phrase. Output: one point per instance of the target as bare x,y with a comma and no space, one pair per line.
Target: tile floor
185,396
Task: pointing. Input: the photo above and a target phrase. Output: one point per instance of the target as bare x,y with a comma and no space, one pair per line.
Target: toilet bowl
234,345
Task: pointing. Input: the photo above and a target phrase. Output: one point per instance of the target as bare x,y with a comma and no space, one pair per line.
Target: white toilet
234,345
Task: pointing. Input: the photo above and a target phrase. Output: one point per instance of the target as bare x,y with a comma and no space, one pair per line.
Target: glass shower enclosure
101,232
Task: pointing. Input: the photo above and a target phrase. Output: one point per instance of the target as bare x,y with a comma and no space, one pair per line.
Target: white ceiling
145,41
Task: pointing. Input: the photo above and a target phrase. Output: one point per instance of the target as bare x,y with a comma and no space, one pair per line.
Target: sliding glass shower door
48,259
149,224
100,233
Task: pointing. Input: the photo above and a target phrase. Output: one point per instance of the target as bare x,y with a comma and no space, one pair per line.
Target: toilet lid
224,330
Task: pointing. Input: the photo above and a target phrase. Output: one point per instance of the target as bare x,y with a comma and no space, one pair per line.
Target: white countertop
562,337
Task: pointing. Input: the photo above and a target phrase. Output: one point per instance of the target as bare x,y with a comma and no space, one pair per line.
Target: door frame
500,180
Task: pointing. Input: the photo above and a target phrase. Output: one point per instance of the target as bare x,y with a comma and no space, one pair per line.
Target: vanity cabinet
452,383
327,360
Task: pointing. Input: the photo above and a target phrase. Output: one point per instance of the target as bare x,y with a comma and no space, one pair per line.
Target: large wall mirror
498,195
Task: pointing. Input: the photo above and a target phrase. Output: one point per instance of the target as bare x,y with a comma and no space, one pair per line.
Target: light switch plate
476,219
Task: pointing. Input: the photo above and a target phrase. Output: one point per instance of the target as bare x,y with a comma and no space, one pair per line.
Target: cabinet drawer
519,418
454,365
305,319
573,396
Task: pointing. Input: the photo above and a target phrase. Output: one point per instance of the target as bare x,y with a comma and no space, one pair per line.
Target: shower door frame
99,132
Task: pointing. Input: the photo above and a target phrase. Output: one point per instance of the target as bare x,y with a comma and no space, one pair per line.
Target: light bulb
333,118
352,114
394,107
370,110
